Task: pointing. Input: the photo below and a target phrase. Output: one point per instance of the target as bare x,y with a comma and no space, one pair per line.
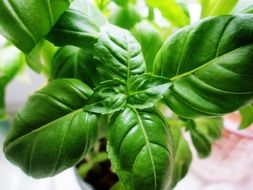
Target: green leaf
139,147
125,17
12,61
75,28
217,7
52,132
151,41
119,53
25,23
109,96
121,2
246,116
211,127
73,62
210,66
243,7
145,90
92,12
40,58
174,12
182,154
199,140
182,161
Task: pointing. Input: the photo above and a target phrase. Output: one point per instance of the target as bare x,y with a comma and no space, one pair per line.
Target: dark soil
101,177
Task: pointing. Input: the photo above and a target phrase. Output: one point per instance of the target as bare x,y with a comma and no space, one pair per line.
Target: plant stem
2,103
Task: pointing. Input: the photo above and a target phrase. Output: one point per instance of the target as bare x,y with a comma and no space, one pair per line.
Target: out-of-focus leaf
125,17
246,116
151,41
87,8
40,58
210,127
199,140
217,7
12,61
174,12
243,7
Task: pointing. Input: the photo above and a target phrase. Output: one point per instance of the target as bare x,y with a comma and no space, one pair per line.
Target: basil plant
98,70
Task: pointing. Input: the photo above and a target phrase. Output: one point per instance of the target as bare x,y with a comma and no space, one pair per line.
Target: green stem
2,103
151,14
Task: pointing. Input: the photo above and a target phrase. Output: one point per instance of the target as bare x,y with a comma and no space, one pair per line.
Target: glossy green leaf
151,41
75,28
119,53
52,132
74,62
217,7
246,116
210,65
109,96
25,23
174,12
125,17
139,147
40,58
211,127
143,91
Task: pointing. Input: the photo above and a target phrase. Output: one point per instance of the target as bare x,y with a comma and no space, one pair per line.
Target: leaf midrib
147,144
7,146
206,64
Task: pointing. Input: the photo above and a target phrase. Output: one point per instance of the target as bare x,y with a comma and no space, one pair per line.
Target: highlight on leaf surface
210,66
52,132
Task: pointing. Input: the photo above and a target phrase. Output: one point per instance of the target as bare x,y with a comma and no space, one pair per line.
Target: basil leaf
246,116
182,154
243,7
12,61
52,132
74,28
109,96
182,161
199,140
119,53
121,14
174,12
74,62
145,90
217,7
139,149
26,23
211,78
151,41
211,127
90,10
40,58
